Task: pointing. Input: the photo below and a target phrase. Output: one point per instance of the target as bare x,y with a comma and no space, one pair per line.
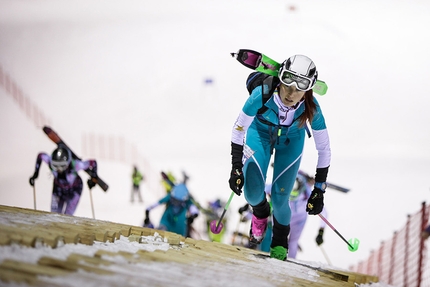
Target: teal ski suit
276,131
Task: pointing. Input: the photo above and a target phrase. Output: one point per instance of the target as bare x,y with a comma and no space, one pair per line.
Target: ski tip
320,88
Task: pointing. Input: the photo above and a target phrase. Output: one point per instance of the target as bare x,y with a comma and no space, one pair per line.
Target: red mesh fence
30,109
403,260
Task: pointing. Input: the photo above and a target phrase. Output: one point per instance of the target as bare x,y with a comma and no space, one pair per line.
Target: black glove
91,183
92,171
315,202
236,175
31,180
191,218
236,180
319,238
244,208
146,221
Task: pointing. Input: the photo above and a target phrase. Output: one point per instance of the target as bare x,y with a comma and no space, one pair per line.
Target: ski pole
325,255
217,227
352,244
34,196
233,239
92,206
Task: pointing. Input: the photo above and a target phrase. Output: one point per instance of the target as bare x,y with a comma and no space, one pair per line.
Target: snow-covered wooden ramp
46,249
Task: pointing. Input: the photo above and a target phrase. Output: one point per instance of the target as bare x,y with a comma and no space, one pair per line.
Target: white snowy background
137,69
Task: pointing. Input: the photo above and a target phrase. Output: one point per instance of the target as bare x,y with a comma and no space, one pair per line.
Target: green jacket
137,178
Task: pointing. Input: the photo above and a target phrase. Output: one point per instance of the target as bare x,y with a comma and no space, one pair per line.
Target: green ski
262,63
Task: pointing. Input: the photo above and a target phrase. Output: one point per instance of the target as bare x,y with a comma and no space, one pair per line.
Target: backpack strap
308,130
256,79
272,83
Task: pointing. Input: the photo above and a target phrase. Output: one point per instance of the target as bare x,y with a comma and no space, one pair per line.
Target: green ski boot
278,252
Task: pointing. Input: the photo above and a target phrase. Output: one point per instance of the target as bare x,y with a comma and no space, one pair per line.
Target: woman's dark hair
310,108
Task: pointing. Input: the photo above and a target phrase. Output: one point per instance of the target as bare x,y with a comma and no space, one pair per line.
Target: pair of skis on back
56,139
262,63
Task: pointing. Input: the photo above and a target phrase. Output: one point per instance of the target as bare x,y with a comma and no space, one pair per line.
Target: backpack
256,79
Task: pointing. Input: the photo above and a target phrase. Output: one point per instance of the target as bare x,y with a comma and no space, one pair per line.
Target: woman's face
290,95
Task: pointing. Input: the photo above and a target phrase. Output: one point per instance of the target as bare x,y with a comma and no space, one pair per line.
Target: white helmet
300,71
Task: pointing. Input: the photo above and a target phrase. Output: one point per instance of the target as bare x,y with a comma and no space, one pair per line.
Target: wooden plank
18,236
76,258
11,275
87,239
32,269
111,236
134,238
31,234
71,265
174,239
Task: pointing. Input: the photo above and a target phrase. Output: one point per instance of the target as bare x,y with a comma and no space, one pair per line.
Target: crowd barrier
402,260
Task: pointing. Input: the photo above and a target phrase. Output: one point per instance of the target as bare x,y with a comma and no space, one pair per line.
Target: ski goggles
289,78
59,166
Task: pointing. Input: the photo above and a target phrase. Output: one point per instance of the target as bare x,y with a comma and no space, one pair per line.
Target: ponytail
310,108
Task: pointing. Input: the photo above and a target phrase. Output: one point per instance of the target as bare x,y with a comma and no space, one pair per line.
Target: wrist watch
321,185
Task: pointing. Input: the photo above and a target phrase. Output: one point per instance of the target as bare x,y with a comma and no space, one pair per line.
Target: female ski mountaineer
67,187
281,127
